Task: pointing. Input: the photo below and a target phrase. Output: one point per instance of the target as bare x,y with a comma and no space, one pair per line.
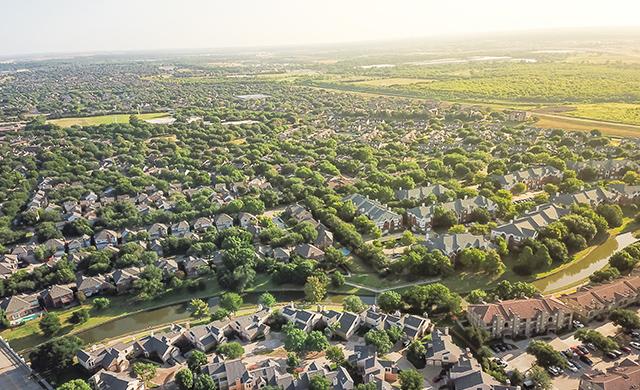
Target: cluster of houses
110,364
420,219
533,178
522,318
385,219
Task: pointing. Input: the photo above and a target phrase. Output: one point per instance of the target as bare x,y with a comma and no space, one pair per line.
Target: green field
612,112
103,119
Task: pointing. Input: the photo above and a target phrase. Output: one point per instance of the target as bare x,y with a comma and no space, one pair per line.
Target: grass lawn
610,112
103,119
580,124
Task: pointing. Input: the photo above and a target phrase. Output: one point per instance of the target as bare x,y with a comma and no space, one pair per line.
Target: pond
579,271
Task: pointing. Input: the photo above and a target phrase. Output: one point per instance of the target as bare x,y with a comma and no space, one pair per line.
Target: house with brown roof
623,376
521,317
21,308
598,300
57,296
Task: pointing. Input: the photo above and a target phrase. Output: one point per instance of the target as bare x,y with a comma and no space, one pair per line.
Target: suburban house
55,246
92,285
303,319
111,359
202,224
229,374
299,213
441,351
413,326
206,337
385,219
223,221
21,308
160,346
181,228
158,230
605,169
622,376
592,197
597,301
194,266
451,244
107,380
105,238
347,325
369,367
434,192
521,317
626,193
251,327
419,218
467,374
528,225
308,251
325,237
57,296
123,278
534,178
247,219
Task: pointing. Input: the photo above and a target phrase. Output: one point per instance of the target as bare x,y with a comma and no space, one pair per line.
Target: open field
582,124
611,112
387,82
103,119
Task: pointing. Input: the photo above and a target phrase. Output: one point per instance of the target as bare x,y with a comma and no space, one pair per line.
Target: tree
267,300
353,303
443,218
219,314
545,354
144,371
605,344
184,379
232,350
50,324
627,319
540,378
100,304
320,382
316,341
55,356
379,339
196,361
623,261
476,296
315,289
395,333
293,360
200,308
612,213
407,238
295,339
80,316
604,275
75,384
410,380
335,354
149,285
417,349
337,279
390,301
231,302
204,382
472,258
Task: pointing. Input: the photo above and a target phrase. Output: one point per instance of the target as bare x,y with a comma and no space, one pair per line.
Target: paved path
381,290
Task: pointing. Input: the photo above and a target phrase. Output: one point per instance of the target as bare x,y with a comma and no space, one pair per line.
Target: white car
572,367
577,324
500,362
635,344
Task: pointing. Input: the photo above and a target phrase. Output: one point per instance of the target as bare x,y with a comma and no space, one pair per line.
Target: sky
76,26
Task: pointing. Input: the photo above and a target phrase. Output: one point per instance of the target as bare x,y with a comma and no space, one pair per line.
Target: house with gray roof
534,178
441,351
626,193
229,374
303,319
592,197
92,285
467,374
208,336
419,219
347,325
57,296
435,192
451,244
308,251
529,224
160,346
252,326
223,221
385,219
21,308
605,169
107,380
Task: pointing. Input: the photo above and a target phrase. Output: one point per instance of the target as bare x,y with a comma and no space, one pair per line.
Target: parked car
568,353
635,334
500,362
577,324
586,360
554,371
611,355
577,351
572,367
635,344
583,349
591,346
617,353
626,349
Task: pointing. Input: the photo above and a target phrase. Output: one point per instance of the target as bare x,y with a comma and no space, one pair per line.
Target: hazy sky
44,26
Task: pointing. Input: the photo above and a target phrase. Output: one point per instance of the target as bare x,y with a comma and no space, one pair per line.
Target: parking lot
520,359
